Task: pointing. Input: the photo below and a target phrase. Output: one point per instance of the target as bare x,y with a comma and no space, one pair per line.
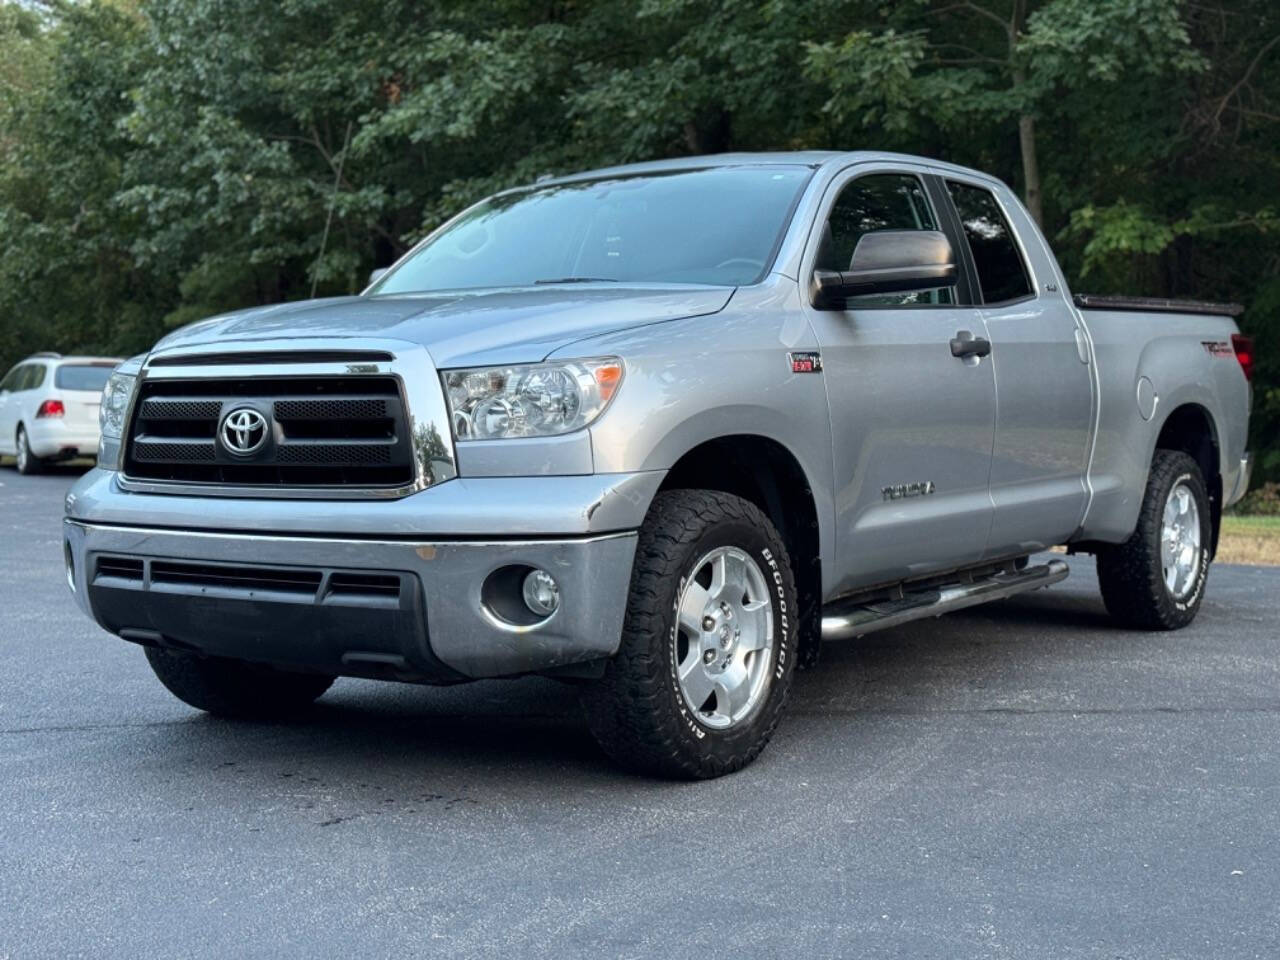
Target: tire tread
231,688
627,710
1130,574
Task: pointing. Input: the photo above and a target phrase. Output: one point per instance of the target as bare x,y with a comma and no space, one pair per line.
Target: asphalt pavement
1018,780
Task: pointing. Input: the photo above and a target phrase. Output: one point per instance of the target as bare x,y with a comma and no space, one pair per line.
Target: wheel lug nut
708,656
708,623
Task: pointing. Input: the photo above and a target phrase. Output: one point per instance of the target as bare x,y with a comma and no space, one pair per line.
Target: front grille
251,581
270,356
173,451
322,431
288,580
120,568
364,585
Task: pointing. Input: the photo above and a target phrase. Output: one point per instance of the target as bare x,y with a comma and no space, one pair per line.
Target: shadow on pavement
535,726
71,468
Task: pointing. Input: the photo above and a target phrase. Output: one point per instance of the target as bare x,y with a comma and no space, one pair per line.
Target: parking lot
1019,780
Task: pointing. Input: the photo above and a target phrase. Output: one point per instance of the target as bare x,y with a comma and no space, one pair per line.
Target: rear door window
21,378
35,376
1001,272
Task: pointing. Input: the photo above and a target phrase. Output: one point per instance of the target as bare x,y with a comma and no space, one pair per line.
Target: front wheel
233,688
708,643
1155,579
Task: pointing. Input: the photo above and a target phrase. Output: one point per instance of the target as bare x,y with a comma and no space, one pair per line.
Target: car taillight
1244,353
51,408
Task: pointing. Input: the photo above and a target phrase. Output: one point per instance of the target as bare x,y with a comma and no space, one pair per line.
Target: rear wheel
233,688
1155,580
28,462
708,645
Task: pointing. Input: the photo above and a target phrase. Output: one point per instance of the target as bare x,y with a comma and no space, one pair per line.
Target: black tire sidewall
24,459
234,688
766,549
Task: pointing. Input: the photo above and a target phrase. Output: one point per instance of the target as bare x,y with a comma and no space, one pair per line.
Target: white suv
49,408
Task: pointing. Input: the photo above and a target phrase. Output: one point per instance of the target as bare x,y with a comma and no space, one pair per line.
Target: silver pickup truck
657,430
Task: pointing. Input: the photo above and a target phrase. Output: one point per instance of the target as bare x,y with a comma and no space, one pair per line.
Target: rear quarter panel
1170,350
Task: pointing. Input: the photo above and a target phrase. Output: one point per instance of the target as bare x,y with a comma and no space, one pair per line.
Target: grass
1249,540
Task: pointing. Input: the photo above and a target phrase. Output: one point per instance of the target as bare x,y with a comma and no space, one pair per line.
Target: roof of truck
810,158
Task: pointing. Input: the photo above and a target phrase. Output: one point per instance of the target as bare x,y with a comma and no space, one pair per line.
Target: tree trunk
1026,122
709,132
1030,167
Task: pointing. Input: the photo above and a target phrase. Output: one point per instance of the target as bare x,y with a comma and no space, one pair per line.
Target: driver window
881,201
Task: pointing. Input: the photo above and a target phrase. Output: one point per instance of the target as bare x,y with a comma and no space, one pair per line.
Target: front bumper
151,585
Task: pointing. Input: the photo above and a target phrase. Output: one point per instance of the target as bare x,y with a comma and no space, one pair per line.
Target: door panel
9,408
1042,428
905,411
1043,382
912,425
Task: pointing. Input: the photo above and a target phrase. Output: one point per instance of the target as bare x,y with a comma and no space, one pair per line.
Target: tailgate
81,408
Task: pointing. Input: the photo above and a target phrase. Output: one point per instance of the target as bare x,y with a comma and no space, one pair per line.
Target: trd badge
805,361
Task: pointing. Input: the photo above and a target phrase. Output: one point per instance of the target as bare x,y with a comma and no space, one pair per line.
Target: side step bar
854,619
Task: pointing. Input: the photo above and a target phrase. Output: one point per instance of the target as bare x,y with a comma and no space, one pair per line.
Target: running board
854,619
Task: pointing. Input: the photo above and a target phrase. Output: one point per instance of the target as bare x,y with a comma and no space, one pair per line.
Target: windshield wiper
578,280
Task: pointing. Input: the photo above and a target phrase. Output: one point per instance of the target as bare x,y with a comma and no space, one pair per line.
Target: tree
167,159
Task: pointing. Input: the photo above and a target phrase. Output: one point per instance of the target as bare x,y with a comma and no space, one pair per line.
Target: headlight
115,404
532,400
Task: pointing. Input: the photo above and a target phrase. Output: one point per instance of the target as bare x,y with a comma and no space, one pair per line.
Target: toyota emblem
243,431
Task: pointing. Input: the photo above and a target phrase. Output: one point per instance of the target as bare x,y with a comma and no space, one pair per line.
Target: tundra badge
900,490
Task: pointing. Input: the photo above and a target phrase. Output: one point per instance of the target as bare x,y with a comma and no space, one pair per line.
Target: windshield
714,226
86,377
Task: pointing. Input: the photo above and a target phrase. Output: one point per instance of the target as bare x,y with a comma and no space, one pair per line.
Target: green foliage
1263,501
162,160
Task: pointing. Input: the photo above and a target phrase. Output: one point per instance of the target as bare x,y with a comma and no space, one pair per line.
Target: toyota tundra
658,431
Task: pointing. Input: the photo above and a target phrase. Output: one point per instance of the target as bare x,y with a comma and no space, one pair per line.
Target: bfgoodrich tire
708,643
1155,580
231,688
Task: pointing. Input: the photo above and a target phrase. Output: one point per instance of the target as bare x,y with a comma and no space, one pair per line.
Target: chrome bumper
497,508
459,632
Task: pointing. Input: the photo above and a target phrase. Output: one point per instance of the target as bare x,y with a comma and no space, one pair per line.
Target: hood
465,328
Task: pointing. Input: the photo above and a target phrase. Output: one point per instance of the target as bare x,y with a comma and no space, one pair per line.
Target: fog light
541,593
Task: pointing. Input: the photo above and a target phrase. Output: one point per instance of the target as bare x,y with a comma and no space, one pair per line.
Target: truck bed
1094,301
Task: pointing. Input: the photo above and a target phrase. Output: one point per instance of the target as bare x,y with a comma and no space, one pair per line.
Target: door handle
965,344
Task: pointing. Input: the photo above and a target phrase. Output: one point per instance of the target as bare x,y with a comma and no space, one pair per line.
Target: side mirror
376,274
888,261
